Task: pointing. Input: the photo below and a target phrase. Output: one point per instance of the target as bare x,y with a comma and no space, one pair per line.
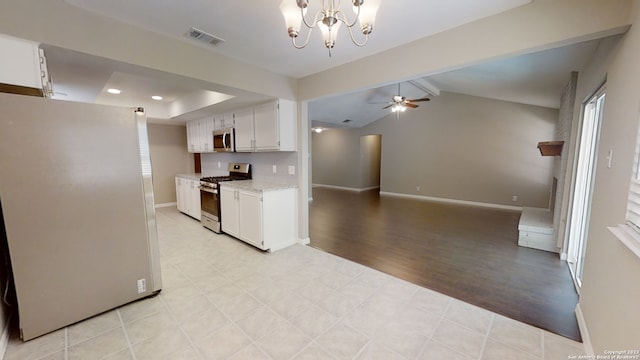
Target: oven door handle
206,189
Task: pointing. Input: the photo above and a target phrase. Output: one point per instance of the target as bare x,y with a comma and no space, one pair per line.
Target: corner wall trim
584,332
345,188
453,201
166,205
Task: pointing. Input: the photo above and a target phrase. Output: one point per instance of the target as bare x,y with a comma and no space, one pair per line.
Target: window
629,233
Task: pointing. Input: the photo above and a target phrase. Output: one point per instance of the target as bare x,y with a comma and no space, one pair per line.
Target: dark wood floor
468,253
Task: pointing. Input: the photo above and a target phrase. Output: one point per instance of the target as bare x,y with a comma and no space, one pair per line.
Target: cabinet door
180,200
194,194
193,136
205,127
267,134
23,66
244,129
251,218
228,120
229,216
218,121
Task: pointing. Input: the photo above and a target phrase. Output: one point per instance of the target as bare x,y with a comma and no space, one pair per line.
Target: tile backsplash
215,164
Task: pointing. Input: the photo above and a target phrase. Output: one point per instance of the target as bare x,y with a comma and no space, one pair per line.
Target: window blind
633,201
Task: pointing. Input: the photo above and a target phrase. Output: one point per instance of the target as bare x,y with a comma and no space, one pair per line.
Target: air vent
346,121
202,36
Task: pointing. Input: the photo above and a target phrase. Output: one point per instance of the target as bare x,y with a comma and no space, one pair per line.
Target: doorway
370,157
583,178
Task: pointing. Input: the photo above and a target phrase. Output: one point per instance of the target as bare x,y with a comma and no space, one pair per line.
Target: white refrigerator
78,210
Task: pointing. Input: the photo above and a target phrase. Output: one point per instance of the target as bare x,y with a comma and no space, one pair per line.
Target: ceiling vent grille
203,37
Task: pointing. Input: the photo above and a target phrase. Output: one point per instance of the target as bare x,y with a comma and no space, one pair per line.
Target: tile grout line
192,282
126,335
175,319
442,317
486,337
66,343
542,349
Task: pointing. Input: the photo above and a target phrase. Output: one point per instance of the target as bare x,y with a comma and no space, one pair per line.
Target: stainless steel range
209,196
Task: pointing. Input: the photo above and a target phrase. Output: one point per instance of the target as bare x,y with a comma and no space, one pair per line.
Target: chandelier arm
306,41
344,19
353,39
316,19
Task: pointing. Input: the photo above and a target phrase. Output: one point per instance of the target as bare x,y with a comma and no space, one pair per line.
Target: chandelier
329,19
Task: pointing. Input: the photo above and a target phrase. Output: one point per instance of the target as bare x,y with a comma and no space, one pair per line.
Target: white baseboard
305,241
166,205
4,340
454,201
345,188
584,332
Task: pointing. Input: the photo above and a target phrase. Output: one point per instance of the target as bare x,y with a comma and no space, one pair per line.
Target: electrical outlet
514,198
142,285
292,169
219,164
417,188
274,169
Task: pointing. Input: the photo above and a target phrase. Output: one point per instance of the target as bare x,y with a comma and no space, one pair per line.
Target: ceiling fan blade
421,99
413,106
388,106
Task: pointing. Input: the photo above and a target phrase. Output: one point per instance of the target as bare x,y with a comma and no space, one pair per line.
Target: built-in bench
536,229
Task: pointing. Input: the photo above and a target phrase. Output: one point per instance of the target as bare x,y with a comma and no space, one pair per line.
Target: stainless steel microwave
224,140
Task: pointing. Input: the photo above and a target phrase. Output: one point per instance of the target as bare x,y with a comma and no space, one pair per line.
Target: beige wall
611,286
336,158
346,158
169,156
454,147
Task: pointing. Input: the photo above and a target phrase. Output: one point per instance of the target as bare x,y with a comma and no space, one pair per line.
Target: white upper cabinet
244,129
267,127
200,135
23,68
205,127
193,137
223,120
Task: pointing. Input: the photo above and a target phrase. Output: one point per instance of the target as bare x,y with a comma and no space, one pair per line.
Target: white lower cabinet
188,196
265,219
229,211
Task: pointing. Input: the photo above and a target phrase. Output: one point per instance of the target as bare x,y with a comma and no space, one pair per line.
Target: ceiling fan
400,103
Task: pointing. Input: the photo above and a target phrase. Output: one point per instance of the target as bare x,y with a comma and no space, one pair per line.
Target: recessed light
114,91
156,97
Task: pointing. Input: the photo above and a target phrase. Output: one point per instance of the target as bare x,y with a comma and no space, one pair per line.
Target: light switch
274,169
292,170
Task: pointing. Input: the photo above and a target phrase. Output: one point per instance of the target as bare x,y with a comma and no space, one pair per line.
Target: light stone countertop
257,185
191,176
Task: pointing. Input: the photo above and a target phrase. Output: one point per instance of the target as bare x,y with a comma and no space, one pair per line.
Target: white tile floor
225,300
